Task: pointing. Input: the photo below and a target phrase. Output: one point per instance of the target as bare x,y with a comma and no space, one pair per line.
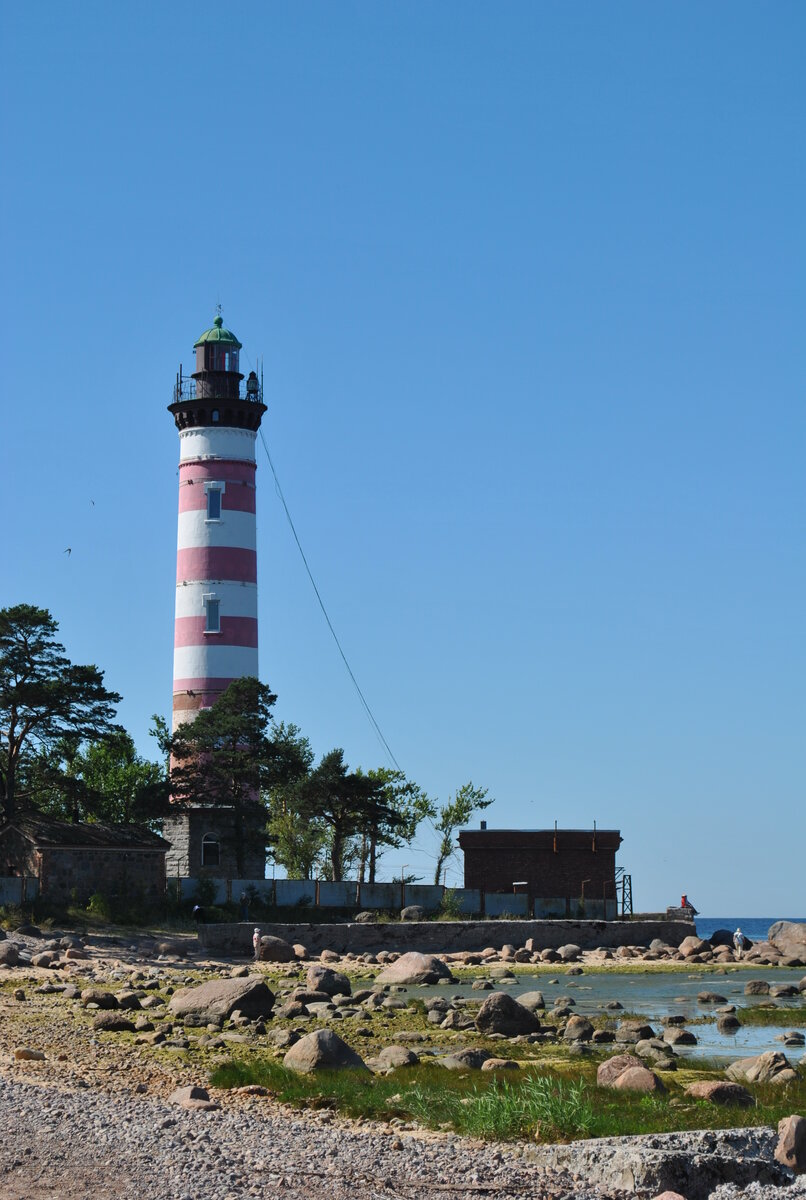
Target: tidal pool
654,995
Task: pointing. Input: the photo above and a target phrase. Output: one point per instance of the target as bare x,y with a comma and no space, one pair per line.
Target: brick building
564,871
80,859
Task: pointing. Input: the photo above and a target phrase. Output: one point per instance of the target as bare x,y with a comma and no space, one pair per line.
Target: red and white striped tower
218,416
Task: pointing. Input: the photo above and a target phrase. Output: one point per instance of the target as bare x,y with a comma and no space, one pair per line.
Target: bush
99,905
450,908
205,891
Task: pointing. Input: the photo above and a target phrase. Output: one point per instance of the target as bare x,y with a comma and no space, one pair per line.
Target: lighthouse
217,415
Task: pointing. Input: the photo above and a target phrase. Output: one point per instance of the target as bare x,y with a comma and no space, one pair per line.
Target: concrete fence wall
288,893
18,889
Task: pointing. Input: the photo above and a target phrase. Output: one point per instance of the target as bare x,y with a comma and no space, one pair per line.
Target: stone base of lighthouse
203,842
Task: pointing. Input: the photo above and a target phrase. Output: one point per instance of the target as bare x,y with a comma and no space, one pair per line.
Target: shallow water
656,995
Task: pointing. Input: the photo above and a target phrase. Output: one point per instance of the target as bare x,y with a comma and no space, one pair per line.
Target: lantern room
216,374
216,394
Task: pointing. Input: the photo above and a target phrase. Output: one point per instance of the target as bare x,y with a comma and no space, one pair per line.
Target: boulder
722,937
762,1068
177,949
711,998
756,987
128,999
99,997
719,1091
789,938
398,1056
325,979
23,1054
531,1000
113,1022
30,931
675,1036
9,954
366,918
569,953
415,968
693,945
275,949
578,1029
611,1068
216,1000
633,1031
44,959
322,1050
412,912
728,1024
639,1079
500,1064
460,1060
193,1097
501,1014
791,1149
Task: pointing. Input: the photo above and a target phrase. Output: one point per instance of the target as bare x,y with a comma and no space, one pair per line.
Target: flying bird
69,551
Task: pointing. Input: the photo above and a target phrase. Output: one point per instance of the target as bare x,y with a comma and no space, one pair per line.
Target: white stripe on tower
215,639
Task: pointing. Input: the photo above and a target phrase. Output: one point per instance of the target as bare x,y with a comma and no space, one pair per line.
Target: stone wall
133,874
435,937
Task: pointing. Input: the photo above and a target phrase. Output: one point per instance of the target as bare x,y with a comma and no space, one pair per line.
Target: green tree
393,811
451,816
232,754
296,842
43,698
337,799
122,786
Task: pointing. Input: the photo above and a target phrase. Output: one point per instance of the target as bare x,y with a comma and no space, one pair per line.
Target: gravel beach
73,1144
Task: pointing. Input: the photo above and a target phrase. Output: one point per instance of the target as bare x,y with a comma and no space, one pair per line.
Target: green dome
218,333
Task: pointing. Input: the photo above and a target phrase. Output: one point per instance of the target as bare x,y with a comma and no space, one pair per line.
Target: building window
212,606
211,851
214,416
214,504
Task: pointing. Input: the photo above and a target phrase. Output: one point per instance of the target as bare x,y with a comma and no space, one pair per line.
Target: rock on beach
322,1050
219,998
414,967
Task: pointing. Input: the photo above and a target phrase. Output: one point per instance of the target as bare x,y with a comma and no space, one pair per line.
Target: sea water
754,928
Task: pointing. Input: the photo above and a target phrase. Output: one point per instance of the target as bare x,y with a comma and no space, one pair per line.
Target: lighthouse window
211,851
213,622
214,504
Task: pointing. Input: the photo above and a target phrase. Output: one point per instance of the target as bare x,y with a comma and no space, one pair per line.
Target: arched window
211,851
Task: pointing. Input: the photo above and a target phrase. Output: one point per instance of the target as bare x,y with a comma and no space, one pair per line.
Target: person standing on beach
738,942
256,943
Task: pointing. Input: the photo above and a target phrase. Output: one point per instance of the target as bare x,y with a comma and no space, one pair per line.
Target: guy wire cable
367,709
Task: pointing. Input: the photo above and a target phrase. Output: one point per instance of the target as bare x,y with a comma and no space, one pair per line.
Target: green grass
557,1105
792,1018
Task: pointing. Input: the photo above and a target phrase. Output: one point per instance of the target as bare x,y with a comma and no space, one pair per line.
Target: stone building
202,842
562,870
76,860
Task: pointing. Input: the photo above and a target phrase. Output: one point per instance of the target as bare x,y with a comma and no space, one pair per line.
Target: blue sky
528,281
